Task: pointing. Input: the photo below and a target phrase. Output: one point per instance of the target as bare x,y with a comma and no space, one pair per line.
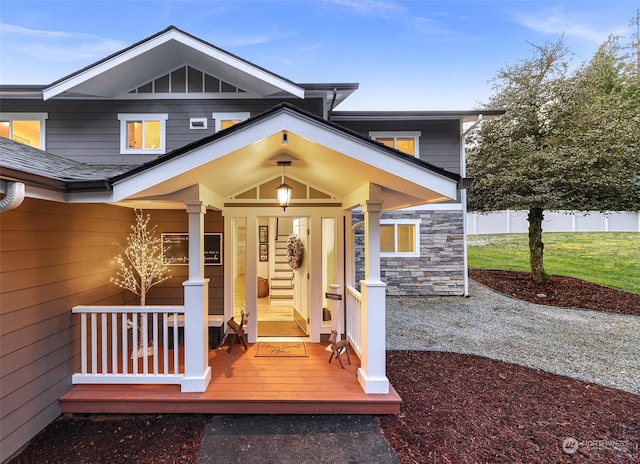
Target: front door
282,297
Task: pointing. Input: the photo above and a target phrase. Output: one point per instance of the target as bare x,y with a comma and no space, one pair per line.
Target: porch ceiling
320,157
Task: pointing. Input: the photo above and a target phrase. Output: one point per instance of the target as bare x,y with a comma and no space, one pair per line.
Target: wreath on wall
295,252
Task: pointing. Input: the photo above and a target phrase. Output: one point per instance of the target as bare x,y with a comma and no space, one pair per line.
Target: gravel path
588,345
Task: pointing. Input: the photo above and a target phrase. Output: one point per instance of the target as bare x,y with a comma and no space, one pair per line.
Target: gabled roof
324,155
171,48
292,109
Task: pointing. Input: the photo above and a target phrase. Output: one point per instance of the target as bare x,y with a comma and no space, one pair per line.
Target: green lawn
609,258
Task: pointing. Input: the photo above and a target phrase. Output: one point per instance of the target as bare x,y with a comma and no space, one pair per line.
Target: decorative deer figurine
338,347
238,331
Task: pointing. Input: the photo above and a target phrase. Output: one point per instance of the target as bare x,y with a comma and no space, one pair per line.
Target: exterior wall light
283,191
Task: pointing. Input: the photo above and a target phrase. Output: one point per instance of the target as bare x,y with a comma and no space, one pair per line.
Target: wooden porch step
167,399
242,383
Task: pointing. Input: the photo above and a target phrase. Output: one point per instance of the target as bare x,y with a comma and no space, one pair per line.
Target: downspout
14,196
463,201
333,103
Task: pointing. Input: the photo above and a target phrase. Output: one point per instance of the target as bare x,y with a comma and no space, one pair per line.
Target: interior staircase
282,278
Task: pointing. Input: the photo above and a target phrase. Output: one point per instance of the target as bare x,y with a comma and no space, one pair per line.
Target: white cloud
385,9
556,21
41,56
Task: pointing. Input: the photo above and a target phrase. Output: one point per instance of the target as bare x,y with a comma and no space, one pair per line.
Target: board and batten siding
53,256
89,131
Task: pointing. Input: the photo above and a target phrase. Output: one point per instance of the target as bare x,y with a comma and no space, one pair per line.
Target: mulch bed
461,408
559,291
457,408
148,439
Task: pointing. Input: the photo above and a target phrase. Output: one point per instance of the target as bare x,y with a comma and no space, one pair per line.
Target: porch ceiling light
283,191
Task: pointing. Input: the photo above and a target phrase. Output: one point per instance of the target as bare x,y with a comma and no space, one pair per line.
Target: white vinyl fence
512,222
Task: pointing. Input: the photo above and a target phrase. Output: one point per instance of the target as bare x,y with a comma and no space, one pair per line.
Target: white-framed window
405,141
400,237
225,120
143,134
27,128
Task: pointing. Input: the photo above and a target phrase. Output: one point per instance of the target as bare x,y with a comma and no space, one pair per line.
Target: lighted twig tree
142,266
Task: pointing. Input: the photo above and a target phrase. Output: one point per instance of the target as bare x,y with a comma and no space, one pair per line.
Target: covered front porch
242,383
234,173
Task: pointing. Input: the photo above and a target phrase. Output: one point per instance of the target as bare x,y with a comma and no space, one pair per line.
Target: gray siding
439,140
89,131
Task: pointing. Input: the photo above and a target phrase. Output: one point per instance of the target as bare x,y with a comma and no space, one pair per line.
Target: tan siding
172,291
52,256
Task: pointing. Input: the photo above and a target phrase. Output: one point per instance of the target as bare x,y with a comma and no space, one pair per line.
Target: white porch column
372,371
196,307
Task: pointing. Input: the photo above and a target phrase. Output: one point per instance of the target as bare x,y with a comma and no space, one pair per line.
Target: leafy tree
143,267
565,142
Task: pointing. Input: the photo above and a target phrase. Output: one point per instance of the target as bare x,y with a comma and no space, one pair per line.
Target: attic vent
198,123
187,80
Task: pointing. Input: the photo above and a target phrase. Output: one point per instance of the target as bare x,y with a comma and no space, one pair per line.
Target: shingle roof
23,161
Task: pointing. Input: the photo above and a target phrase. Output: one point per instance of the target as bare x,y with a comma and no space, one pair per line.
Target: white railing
129,344
353,307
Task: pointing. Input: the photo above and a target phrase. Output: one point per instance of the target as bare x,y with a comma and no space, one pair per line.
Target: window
142,133
225,120
405,141
400,237
27,128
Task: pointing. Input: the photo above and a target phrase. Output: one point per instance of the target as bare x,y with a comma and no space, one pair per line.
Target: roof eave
109,63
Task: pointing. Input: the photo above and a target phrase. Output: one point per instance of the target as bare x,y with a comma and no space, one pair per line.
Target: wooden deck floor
242,383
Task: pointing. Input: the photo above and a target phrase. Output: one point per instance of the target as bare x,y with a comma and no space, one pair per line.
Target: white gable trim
172,34
296,123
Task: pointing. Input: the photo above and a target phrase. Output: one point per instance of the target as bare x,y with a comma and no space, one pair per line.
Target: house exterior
200,139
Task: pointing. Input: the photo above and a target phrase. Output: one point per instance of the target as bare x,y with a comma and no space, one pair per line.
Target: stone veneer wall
440,268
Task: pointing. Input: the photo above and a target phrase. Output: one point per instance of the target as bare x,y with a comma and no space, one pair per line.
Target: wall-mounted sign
333,296
175,249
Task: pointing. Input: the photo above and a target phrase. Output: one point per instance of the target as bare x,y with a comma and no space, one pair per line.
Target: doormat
281,350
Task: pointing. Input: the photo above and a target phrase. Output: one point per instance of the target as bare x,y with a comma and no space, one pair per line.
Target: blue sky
406,55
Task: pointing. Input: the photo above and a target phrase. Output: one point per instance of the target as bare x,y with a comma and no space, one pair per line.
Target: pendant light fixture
283,191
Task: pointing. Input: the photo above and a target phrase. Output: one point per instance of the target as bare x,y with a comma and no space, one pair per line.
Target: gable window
405,141
27,128
143,133
400,237
186,80
225,120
